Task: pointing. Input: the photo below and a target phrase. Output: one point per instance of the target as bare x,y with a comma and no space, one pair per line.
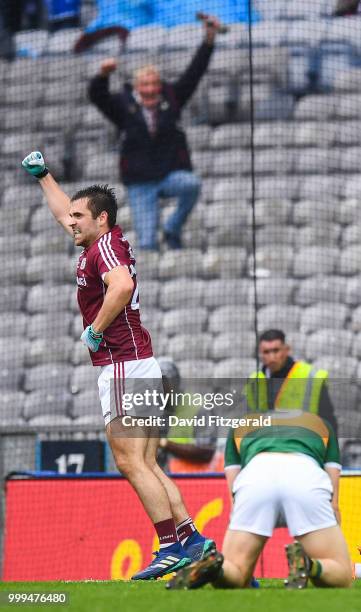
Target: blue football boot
166,560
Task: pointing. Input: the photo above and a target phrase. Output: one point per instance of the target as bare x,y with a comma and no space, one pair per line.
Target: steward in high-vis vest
285,384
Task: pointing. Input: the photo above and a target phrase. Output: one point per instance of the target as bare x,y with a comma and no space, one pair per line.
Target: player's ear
103,218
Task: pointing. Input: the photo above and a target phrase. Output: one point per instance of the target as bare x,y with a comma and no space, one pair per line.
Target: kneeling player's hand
91,339
34,164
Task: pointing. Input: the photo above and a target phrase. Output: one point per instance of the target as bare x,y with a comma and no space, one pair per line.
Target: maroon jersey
125,339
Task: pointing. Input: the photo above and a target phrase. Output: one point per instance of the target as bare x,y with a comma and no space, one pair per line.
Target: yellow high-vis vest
301,389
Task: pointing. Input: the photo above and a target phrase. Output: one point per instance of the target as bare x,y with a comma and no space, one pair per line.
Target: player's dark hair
272,334
100,197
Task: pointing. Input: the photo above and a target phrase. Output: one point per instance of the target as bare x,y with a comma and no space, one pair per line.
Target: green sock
316,568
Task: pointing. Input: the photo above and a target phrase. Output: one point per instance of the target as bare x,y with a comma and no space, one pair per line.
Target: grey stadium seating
198,303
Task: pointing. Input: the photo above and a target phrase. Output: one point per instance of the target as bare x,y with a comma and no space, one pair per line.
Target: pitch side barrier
92,525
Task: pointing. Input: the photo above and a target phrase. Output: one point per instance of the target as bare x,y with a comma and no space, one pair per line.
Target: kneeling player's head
93,212
170,374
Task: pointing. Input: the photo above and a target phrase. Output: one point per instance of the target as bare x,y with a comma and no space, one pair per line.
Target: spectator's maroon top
125,339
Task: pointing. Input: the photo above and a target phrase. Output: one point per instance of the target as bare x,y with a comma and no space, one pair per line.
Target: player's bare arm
119,291
57,200
334,474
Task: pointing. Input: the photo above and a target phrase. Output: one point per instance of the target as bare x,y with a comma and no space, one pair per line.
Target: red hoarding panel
97,529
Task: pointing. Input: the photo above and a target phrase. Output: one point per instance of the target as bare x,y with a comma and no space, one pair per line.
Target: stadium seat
49,350
350,260
80,354
43,244
274,290
277,260
356,348
89,421
203,162
11,274
48,325
284,188
52,298
152,320
298,342
195,368
12,352
331,289
179,263
352,294
63,41
265,35
317,107
84,378
230,136
269,133
31,43
341,369
103,166
275,234
353,187
272,211
313,260
314,133
24,93
233,162
229,262
65,68
187,320
324,316
349,106
285,317
313,212
230,234
181,292
14,248
149,38
231,319
336,342
356,319
231,345
348,132
234,368
183,36
11,405
269,161
348,81
232,292
11,378
40,403
13,324
312,161
229,190
351,235
55,421
12,298
52,268
322,234
238,214
196,345
322,188
22,120
198,137
49,377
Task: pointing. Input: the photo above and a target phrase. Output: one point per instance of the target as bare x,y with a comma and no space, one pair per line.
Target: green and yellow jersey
289,432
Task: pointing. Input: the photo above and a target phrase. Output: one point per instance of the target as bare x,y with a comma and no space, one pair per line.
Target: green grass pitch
153,597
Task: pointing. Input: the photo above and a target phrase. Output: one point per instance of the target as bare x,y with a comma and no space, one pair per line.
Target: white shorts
278,482
119,382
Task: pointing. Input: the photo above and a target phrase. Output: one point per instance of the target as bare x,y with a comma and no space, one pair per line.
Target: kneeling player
292,467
